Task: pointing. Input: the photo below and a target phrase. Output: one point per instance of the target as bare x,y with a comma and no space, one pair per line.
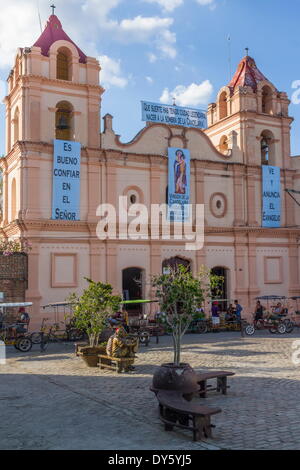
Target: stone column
94,185
289,204
254,290
200,255
294,287
111,265
96,261
33,292
252,216
238,194
241,290
155,267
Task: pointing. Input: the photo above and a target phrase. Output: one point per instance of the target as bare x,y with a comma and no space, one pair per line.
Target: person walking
238,310
215,315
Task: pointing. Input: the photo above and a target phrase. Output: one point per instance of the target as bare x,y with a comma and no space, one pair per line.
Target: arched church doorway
132,285
175,263
222,292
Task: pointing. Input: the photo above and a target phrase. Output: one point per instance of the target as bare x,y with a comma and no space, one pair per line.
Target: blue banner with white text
271,195
66,180
173,115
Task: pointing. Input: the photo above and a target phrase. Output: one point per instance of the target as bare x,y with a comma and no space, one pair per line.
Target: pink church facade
55,92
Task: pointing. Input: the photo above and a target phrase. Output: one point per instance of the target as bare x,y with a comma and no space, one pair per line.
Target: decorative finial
174,101
53,8
247,51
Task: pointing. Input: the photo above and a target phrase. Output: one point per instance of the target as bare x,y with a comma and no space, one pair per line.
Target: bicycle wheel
23,344
249,330
36,338
144,338
289,326
281,328
202,328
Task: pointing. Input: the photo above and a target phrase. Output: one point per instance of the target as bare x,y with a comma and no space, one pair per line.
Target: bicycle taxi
274,317
53,328
139,321
14,328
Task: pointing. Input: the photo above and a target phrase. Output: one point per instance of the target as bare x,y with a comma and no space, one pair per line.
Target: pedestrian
215,315
259,311
238,310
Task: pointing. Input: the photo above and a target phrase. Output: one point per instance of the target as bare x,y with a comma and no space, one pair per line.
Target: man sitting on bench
119,345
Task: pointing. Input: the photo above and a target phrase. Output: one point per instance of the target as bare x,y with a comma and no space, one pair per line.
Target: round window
218,205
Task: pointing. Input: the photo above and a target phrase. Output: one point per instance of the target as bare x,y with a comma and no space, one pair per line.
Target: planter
172,377
90,355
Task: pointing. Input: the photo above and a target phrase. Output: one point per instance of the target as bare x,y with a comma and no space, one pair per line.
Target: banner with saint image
179,183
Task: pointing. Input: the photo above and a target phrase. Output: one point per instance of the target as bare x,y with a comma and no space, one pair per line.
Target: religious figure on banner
180,173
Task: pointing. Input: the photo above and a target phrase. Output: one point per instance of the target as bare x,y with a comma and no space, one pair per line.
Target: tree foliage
92,309
180,294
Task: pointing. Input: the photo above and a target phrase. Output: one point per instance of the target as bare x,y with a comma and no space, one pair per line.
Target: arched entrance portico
175,262
223,292
132,286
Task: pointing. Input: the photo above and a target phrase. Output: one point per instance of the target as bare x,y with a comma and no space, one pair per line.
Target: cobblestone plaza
53,401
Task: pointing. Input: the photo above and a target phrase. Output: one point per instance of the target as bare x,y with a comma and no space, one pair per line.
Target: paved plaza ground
53,401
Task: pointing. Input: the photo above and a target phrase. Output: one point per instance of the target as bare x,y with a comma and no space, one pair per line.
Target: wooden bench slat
177,403
213,375
177,412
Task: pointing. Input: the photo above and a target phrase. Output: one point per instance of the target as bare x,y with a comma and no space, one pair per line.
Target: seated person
21,326
119,345
115,319
230,315
276,312
259,311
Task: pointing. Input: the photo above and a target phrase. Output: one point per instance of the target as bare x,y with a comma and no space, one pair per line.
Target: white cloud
166,43
111,72
152,58
82,20
211,3
167,5
192,95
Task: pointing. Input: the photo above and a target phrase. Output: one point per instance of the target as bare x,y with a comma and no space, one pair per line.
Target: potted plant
91,312
180,293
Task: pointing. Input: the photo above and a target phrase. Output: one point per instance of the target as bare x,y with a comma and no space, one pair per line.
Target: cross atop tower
247,51
53,9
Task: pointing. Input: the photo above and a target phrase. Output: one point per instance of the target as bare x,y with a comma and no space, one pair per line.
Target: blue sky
155,49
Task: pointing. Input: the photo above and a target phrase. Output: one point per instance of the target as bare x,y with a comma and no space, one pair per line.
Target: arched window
267,148
63,65
223,105
223,146
64,121
267,100
16,122
13,200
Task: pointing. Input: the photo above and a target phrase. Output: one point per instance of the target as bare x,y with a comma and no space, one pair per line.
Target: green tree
180,294
92,309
